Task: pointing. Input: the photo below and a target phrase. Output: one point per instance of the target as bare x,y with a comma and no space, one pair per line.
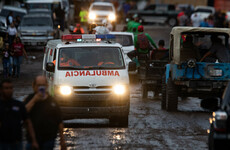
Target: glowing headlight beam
119,89
65,90
112,17
92,16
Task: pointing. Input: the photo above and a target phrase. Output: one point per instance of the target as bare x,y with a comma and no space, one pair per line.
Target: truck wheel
172,22
210,139
163,92
171,96
119,121
144,91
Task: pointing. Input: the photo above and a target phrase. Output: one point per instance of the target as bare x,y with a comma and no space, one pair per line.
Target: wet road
149,126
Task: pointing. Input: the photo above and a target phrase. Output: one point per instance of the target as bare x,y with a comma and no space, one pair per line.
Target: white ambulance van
88,76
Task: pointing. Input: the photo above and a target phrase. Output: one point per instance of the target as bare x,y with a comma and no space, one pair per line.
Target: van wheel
171,96
119,121
163,92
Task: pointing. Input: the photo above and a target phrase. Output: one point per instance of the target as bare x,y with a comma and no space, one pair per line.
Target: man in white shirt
195,18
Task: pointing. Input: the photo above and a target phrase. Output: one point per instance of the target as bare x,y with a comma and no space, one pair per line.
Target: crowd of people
194,19
12,49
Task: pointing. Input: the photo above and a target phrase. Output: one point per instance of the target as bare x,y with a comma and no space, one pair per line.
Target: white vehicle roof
42,1
59,44
102,3
121,33
205,7
12,8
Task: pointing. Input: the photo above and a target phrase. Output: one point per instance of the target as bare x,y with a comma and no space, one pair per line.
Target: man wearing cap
140,32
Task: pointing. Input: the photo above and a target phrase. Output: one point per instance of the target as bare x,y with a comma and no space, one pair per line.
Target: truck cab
94,83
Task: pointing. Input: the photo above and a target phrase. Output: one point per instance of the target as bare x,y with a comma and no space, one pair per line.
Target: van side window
47,50
54,57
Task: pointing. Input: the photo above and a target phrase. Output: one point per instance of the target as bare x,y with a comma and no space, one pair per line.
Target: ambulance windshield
90,58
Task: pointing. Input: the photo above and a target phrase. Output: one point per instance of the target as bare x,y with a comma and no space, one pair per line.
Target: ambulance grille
87,87
92,90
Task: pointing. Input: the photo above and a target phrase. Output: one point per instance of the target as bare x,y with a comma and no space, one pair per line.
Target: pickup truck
157,13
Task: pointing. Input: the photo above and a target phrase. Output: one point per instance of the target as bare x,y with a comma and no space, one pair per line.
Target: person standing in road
7,69
83,15
12,117
78,29
12,32
9,18
19,50
195,19
59,16
45,116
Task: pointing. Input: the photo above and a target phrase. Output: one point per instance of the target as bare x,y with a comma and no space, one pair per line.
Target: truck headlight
215,72
112,17
65,90
92,16
119,89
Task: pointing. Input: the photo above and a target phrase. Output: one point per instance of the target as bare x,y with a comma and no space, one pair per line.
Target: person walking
59,16
19,51
9,18
12,117
12,32
6,52
78,29
45,116
83,15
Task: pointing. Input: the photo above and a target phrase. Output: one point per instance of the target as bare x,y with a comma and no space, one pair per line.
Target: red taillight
44,49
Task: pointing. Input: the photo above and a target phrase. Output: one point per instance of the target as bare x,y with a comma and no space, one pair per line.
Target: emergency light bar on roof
87,37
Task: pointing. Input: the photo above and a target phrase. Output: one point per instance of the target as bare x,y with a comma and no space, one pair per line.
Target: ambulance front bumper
93,106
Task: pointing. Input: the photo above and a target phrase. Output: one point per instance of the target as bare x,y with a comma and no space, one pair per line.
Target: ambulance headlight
112,17
65,90
119,89
92,16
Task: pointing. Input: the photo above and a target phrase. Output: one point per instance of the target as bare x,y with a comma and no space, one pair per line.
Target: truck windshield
39,5
37,21
90,58
205,47
102,8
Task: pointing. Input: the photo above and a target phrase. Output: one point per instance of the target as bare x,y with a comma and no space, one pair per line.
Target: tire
144,91
163,92
119,121
216,144
172,22
171,96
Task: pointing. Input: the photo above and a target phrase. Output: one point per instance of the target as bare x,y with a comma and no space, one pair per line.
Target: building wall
222,5
193,2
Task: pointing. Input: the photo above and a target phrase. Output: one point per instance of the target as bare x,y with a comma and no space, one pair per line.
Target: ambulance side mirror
50,67
132,66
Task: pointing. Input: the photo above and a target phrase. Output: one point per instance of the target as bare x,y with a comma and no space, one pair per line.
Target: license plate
215,72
